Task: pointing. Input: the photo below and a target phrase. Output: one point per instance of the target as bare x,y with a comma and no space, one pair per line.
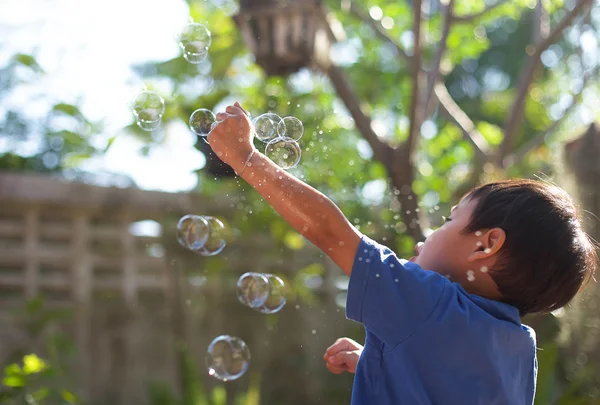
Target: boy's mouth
412,259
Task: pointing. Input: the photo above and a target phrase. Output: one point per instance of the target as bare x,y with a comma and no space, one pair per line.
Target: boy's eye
446,219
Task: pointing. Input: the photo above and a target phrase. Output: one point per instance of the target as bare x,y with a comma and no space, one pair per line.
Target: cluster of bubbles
227,358
264,293
149,107
280,134
202,234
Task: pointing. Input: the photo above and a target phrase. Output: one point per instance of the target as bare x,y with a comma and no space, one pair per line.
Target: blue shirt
430,342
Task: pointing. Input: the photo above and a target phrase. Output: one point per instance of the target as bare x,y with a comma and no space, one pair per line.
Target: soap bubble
227,358
265,127
148,109
202,121
194,40
290,127
217,237
148,126
285,152
276,299
193,232
253,289
202,234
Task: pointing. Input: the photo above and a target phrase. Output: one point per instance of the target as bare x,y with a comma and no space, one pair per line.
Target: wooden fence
73,244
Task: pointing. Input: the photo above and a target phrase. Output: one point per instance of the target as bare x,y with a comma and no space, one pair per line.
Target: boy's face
446,250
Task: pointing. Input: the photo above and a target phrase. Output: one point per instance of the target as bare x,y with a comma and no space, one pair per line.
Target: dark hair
547,257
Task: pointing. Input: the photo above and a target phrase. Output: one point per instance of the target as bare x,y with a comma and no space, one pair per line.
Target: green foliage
194,392
30,383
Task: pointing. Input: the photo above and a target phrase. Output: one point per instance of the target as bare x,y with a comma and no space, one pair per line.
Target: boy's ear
488,244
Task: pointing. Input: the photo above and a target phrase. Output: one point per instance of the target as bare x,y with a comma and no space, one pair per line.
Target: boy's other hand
231,138
342,356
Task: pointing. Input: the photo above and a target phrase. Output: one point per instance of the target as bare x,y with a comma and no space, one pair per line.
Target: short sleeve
392,298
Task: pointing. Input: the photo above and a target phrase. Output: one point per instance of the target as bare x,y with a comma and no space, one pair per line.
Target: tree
399,125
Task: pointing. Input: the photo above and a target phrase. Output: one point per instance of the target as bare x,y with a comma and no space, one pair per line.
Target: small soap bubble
290,127
202,121
148,109
285,152
266,127
193,232
217,237
227,358
276,298
252,289
194,40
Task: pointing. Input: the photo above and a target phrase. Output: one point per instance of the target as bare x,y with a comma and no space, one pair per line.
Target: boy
443,327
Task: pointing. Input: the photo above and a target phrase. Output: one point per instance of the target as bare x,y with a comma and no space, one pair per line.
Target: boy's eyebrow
452,209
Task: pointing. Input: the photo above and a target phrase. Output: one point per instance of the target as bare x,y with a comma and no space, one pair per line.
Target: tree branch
538,140
462,120
414,114
381,150
434,73
540,26
515,116
378,28
471,17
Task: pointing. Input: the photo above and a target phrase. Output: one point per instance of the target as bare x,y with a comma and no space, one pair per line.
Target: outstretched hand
342,356
231,138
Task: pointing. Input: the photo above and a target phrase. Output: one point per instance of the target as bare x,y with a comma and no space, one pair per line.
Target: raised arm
306,209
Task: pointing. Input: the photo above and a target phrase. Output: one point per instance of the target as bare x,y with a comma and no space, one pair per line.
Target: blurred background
406,105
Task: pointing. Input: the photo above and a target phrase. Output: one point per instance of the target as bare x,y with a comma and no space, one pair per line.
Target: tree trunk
580,337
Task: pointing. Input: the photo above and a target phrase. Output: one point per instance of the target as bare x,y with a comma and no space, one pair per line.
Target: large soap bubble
290,127
193,232
202,121
265,127
277,295
253,289
148,109
227,358
285,152
194,40
202,234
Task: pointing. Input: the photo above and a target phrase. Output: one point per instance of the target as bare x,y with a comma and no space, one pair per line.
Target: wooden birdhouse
284,35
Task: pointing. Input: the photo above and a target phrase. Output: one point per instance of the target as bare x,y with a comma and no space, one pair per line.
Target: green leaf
32,364
68,397
68,109
14,381
75,159
28,61
109,143
294,240
492,133
13,370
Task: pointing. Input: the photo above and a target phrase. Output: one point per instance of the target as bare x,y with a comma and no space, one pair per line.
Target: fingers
341,359
342,344
221,116
240,107
336,369
234,110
